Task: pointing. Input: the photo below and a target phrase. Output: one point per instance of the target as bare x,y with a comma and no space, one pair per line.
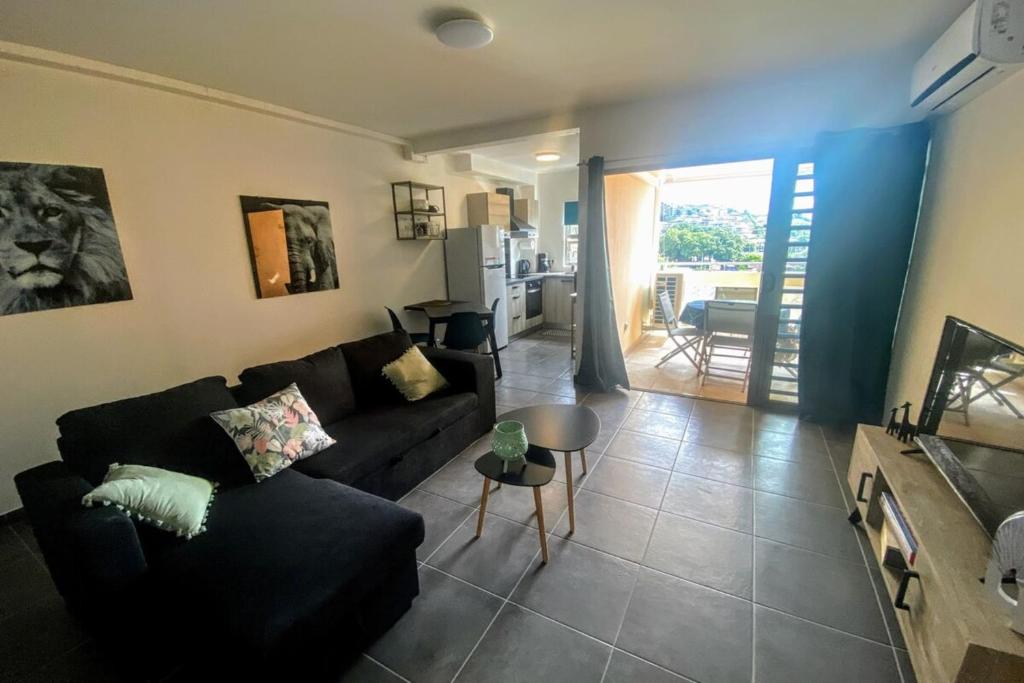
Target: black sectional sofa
295,574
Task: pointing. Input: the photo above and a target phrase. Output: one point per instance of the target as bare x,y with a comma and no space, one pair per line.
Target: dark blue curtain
867,186
601,365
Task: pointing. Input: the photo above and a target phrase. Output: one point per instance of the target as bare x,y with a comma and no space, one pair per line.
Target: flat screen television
972,421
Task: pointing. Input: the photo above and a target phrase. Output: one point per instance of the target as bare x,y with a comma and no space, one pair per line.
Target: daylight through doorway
697,235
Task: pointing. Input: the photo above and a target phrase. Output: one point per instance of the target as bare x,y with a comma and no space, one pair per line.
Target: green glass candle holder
509,440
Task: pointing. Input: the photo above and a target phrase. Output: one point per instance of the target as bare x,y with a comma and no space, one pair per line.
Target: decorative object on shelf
893,425
419,211
903,430
907,430
291,245
509,441
58,242
1006,568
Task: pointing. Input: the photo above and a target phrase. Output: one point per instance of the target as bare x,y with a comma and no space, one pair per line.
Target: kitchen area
497,258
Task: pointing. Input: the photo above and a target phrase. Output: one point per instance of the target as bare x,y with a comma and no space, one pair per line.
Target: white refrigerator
475,259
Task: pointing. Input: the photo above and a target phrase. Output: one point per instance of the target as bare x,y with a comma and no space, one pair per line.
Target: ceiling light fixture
547,156
464,34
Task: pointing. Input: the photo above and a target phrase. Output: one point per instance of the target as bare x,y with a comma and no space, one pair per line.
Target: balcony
688,282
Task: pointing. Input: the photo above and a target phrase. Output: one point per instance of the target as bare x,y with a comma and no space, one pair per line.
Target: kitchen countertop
536,276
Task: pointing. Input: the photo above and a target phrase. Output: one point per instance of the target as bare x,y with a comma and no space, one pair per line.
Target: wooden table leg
483,507
568,492
540,524
583,459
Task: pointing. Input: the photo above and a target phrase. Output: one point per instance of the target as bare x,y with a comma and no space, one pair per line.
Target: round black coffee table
535,470
560,428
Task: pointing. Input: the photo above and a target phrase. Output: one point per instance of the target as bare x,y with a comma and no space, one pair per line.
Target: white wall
746,120
631,206
967,254
722,122
175,166
553,190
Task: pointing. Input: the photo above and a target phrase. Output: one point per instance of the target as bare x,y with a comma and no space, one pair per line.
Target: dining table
440,311
693,313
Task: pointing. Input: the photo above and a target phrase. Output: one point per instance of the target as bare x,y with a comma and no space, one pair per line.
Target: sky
744,186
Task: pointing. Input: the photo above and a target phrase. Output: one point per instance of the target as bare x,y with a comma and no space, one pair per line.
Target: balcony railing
703,280
676,266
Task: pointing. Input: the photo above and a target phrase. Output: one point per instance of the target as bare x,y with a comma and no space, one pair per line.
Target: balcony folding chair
396,325
729,326
981,357
690,336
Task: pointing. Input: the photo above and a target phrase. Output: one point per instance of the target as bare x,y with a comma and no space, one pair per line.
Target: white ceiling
521,153
377,65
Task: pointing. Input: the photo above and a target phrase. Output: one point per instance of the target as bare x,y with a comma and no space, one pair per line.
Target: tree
681,242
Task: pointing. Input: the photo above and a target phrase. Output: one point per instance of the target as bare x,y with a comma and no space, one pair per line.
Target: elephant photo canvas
291,245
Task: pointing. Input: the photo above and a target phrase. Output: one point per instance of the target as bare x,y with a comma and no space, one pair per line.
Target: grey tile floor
711,545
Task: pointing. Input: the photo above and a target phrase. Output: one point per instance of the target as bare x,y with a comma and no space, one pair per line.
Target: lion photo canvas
291,245
58,243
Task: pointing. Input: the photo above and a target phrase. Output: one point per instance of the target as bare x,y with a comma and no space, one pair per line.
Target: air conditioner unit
980,49
673,284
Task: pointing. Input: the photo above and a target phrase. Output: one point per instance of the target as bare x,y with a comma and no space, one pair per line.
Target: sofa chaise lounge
295,573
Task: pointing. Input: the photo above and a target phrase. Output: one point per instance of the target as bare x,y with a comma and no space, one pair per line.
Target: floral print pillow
275,432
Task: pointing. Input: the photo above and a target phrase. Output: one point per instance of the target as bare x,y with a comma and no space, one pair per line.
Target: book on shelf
898,527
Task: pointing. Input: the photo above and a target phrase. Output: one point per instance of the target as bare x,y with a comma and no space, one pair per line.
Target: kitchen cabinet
489,208
525,210
516,308
558,302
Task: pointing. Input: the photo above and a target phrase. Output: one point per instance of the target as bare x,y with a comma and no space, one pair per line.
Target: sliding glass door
775,369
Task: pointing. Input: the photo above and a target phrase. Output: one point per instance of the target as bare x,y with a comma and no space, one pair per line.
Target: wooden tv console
953,628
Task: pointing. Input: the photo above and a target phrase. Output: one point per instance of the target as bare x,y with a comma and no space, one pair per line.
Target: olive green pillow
167,500
413,375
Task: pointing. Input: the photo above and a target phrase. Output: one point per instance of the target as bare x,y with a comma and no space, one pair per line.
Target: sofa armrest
91,552
467,372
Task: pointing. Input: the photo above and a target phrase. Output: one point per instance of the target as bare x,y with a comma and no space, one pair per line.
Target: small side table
535,470
560,428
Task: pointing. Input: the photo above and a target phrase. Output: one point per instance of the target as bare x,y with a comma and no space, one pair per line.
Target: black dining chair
491,328
494,313
464,332
396,325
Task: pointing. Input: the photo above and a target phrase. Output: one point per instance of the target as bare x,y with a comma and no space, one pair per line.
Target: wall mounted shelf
419,224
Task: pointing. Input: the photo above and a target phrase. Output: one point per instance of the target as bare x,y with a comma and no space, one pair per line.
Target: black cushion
369,441
171,429
277,553
322,377
366,358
